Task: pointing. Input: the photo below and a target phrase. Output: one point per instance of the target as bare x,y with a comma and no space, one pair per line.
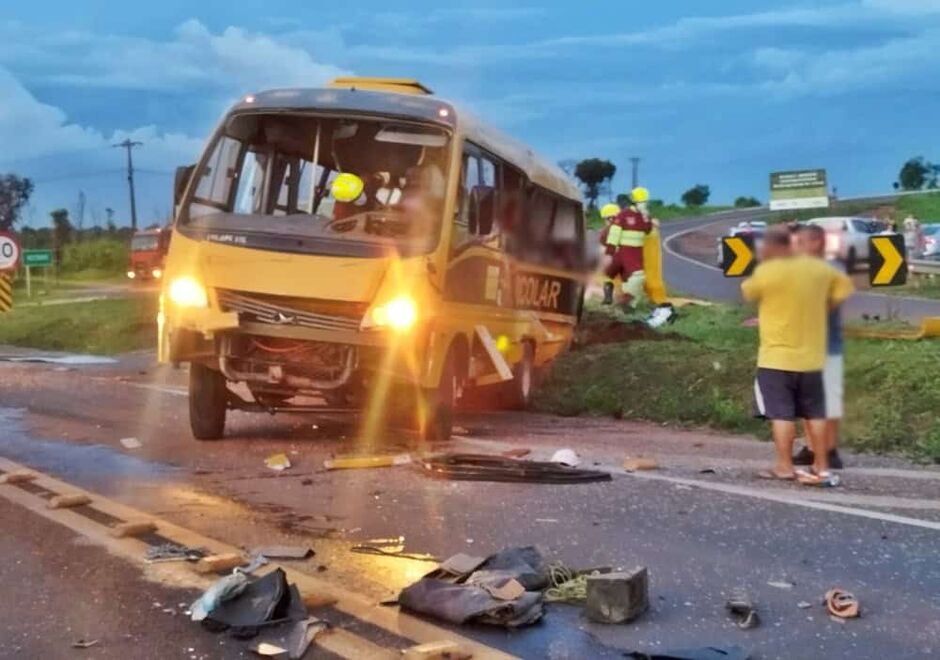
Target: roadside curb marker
133,528
6,293
737,258
68,501
888,263
395,631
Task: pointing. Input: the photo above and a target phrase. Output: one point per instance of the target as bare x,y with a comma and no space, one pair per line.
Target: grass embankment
101,326
925,208
700,373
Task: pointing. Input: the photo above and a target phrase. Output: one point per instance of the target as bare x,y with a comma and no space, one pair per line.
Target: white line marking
780,498
667,244
163,389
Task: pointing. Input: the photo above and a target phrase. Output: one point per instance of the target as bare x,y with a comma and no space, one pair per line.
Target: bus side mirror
183,174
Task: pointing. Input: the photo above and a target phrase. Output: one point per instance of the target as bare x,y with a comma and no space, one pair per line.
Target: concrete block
17,477
68,501
617,597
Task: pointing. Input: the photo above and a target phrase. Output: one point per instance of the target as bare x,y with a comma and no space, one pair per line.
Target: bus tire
439,403
208,402
518,394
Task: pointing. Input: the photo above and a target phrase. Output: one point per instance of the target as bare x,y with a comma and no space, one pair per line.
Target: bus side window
565,236
469,180
483,198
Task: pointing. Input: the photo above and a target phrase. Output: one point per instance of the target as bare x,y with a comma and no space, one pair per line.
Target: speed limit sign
9,252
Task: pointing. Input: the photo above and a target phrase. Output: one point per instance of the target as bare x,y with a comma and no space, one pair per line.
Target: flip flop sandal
841,604
823,480
770,475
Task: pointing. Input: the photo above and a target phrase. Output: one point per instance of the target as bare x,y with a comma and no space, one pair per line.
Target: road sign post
35,259
9,258
887,265
737,255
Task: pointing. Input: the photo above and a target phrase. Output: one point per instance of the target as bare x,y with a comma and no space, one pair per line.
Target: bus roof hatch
398,85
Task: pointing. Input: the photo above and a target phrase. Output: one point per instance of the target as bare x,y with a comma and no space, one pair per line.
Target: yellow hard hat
640,195
347,187
610,211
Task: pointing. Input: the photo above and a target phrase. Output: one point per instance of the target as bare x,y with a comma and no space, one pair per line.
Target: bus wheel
437,422
519,389
208,401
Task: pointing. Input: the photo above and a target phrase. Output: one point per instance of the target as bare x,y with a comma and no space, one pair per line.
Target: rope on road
567,587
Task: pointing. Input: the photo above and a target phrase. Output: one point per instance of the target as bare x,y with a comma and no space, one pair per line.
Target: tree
917,174
15,192
593,173
61,227
746,202
696,196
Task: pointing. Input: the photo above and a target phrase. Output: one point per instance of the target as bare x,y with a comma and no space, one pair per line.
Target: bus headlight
157,273
187,292
399,314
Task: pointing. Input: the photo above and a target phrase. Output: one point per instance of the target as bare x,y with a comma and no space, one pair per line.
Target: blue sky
705,92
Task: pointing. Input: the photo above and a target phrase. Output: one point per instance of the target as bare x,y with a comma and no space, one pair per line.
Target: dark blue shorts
789,395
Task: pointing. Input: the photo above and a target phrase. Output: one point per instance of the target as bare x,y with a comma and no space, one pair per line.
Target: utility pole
129,145
635,163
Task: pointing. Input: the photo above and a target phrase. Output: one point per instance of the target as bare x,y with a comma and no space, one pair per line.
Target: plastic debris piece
703,653
485,467
742,608
131,443
436,651
462,564
841,604
637,464
780,584
804,605
221,590
390,548
173,552
278,462
268,650
366,462
516,453
566,457
84,643
285,552
302,636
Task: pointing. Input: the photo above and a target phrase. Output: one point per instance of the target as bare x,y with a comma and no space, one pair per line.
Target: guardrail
924,267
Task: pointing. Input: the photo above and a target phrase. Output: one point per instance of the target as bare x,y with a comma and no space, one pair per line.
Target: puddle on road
89,466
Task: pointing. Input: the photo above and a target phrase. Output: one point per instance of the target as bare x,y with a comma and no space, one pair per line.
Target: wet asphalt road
700,534
697,274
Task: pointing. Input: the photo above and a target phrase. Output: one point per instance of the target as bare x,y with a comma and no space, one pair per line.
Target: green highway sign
802,189
37,258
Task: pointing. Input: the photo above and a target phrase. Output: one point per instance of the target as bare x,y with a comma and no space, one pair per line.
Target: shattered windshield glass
375,182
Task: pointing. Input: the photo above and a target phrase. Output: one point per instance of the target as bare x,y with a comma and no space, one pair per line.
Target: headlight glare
187,292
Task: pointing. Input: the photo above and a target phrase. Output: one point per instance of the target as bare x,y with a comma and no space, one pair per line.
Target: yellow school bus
368,242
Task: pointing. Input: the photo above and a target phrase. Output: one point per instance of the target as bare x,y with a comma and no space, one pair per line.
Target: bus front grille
253,307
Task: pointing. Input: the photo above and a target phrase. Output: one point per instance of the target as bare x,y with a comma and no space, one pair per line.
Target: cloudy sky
705,92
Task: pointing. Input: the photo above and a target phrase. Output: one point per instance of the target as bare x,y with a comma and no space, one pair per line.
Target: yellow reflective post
6,292
655,286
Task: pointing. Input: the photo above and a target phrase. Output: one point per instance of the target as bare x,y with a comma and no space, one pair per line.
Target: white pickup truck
847,239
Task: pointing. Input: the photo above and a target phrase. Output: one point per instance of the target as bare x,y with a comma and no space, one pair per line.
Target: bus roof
414,104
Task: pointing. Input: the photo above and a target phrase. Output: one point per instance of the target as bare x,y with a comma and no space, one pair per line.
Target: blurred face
810,243
776,245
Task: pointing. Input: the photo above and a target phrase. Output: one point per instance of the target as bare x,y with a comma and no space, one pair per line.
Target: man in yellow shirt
793,295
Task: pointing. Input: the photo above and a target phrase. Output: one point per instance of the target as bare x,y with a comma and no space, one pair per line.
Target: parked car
754,228
931,240
847,239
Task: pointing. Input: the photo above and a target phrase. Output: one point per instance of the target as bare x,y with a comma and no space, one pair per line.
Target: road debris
841,604
285,551
637,464
131,443
469,598
166,552
84,643
393,547
366,462
268,650
567,586
277,462
804,605
223,589
566,457
220,563
617,597
436,651
303,634
780,584
742,608
703,653
516,453
253,604
483,467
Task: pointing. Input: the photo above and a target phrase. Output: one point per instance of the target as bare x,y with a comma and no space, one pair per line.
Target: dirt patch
612,331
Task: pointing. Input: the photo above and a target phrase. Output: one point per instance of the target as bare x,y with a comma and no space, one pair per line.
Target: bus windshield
273,174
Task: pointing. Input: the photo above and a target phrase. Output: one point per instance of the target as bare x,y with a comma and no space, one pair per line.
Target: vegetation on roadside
700,372
102,326
923,207
662,212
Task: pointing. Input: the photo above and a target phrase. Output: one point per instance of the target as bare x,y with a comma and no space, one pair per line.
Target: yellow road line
178,574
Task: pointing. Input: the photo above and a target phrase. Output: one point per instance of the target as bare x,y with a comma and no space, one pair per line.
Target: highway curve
698,276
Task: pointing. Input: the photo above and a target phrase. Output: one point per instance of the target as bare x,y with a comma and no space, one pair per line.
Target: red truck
148,250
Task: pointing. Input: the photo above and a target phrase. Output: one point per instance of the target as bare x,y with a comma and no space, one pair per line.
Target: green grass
923,207
101,327
701,374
